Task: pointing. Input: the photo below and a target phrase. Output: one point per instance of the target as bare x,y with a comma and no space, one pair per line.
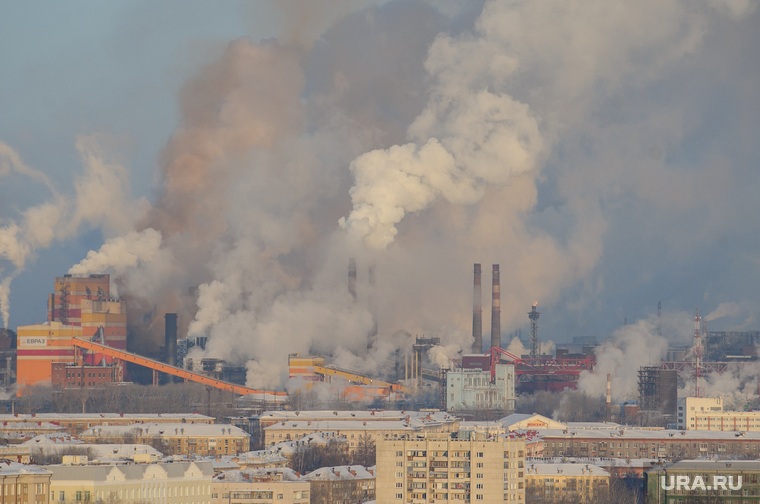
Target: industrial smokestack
477,313
170,338
372,306
609,397
495,309
535,344
352,277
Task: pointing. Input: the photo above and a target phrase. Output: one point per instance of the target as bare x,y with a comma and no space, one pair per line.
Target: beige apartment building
259,487
175,483
23,484
75,423
562,482
176,439
649,443
435,468
346,424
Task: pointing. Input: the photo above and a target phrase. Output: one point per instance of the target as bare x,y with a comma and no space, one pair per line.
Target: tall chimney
477,313
495,309
608,399
352,277
372,301
170,338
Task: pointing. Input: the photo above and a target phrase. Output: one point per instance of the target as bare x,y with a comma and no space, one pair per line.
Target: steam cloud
102,200
443,168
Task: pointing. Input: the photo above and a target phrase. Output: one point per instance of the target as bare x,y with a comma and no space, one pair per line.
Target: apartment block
562,482
75,423
435,468
23,484
259,487
176,439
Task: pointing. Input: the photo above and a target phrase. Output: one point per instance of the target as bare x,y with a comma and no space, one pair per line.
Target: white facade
471,389
690,407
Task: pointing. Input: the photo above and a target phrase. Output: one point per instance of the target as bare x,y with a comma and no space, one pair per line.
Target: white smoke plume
435,143
101,200
118,255
723,310
631,347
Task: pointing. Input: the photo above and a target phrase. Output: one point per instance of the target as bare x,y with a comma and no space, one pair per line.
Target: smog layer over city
480,219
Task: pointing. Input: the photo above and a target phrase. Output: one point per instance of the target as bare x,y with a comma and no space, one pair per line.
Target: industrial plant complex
424,432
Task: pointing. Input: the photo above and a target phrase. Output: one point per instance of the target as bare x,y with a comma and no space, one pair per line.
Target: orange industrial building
80,307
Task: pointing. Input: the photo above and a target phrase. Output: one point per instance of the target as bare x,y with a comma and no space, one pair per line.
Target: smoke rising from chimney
425,169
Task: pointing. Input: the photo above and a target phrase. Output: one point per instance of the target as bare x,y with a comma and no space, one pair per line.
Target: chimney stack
372,301
608,405
495,309
170,338
352,277
477,313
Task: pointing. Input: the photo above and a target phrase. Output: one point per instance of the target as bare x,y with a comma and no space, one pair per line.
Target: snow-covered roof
165,430
53,439
349,472
563,469
245,475
8,468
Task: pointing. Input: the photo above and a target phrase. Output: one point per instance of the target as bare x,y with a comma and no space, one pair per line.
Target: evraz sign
32,341
692,483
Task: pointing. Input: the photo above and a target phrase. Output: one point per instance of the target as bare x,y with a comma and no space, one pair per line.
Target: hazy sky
605,154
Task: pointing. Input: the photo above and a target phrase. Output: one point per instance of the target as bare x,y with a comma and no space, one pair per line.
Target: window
62,496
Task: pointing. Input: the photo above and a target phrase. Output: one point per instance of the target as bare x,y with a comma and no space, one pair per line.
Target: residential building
562,482
648,443
358,431
175,439
437,467
714,481
173,483
260,459
23,484
76,423
342,484
257,486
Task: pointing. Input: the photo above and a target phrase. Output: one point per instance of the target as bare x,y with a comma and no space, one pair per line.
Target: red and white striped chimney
477,313
495,309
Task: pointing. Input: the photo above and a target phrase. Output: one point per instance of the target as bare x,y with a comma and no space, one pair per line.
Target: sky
225,161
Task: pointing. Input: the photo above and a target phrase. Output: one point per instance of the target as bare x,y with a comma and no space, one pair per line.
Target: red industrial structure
533,374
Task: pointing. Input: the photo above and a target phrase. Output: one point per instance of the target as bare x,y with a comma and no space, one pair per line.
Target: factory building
472,389
7,356
439,468
80,307
706,413
690,407
658,393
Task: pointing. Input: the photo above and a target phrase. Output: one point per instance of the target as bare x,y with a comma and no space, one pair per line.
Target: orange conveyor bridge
158,366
